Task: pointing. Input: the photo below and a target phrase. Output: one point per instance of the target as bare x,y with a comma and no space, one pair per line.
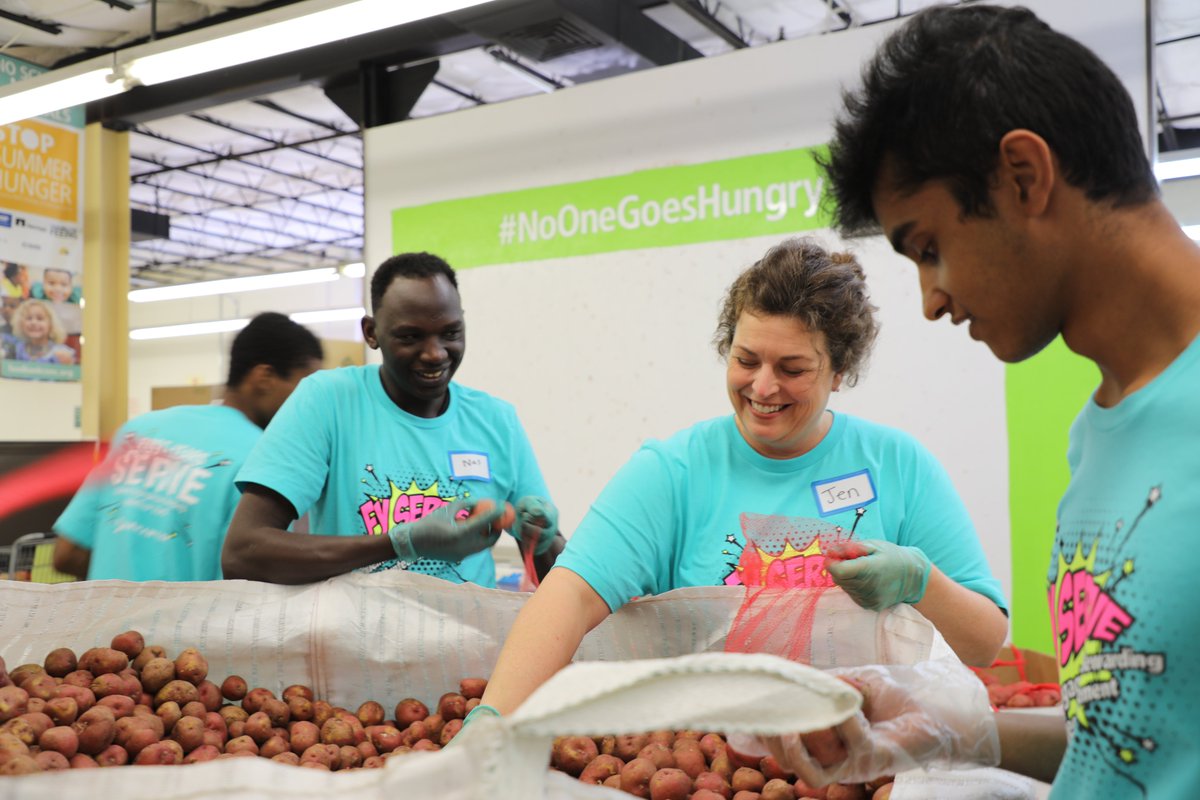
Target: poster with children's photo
41,241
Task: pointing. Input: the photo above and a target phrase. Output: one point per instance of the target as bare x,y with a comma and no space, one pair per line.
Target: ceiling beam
700,13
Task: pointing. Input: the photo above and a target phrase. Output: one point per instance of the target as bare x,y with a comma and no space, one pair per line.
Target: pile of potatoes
690,765
132,704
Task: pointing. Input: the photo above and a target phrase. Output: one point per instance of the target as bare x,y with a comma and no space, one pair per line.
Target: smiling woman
754,497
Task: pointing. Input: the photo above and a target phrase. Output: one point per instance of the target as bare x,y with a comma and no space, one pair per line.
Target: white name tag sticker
847,491
467,466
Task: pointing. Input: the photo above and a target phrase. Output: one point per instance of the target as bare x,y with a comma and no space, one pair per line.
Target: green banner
737,198
38,371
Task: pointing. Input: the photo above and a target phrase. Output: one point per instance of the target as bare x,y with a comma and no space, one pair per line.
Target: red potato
194,709
96,728
713,782
777,789
36,706
149,652
601,768
629,745
274,746
670,784
83,696
189,732
472,704
79,677
39,722
60,662
572,754
210,695
157,673
720,765
636,775
81,761
335,731
176,691
287,758
258,727
659,753
107,684
60,739
452,705
356,727
711,744
416,732
121,705
191,666
434,724
254,699
449,731
1019,701
205,752
131,643
802,789
19,765
425,744
410,710
846,791
50,761
277,711
771,769
233,714
472,687
372,762
298,690
384,738
303,735
370,713
746,779
103,660
242,744
825,746
165,752
503,523
113,756
708,794
691,761
349,757
367,749
747,796
41,685
233,688
326,754
138,739
169,713
25,672
300,708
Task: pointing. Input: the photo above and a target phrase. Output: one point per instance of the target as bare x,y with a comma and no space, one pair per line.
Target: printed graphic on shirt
783,552
390,501
158,481
1090,624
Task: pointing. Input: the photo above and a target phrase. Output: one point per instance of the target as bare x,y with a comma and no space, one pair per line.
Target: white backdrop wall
600,352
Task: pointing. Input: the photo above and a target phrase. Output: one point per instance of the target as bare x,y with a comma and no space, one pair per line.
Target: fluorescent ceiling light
281,30
329,315
189,329
256,36
228,325
356,270
1179,168
274,280
50,91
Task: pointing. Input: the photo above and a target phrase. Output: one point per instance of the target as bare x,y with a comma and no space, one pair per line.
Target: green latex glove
443,536
475,713
889,574
536,517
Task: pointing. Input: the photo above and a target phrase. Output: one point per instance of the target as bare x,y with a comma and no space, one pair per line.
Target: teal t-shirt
680,512
158,506
342,451
1124,594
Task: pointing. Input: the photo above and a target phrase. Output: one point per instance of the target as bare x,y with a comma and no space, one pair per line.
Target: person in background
38,336
15,282
794,328
389,459
1005,160
158,506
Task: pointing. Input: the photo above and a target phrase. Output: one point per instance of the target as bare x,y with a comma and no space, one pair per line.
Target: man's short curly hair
824,291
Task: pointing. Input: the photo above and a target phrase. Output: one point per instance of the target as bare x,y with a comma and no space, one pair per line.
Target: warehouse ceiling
259,168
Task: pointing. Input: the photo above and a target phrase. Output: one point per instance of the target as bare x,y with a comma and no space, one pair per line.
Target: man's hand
537,520
889,574
930,715
442,536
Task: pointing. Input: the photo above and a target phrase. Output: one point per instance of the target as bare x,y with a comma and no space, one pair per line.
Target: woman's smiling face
779,380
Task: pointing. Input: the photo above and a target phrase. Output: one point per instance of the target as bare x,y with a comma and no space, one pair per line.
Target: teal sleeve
629,534
937,521
527,475
294,454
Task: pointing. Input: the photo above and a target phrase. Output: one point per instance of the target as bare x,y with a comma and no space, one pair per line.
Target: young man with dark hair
388,460
158,506
1004,159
